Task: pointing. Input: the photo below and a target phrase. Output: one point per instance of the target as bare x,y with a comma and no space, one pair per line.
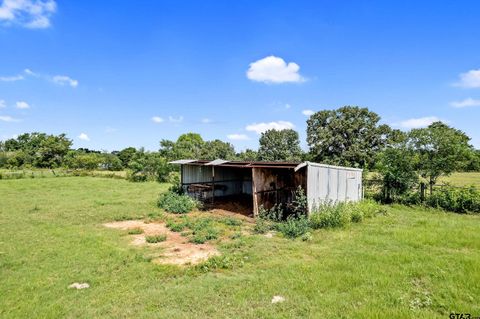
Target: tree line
348,136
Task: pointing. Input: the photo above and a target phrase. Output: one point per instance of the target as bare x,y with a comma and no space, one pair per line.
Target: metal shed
265,184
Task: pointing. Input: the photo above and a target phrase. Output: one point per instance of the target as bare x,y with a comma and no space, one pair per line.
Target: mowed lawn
410,263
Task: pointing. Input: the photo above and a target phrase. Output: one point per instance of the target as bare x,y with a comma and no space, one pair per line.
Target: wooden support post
213,184
254,194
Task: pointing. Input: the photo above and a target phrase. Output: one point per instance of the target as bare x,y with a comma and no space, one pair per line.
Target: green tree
348,136
280,145
187,146
441,150
39,149
397,167
248,155
126,155
218,149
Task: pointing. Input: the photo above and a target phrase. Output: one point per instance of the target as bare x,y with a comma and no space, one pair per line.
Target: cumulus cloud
64,80
262,127
237,137
6,118
465,103
287,106
308,112
470,79
173,119
157,119
2,104
418,122
84,137
22,105
273,69
33,14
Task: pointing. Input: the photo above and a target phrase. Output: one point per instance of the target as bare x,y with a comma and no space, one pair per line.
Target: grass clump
135,231
294,227
153,239
178,204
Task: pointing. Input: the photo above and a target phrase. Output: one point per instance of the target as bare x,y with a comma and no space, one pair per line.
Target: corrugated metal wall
235,180
331,184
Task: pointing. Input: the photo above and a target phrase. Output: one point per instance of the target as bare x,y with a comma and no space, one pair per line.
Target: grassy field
462,179
410,263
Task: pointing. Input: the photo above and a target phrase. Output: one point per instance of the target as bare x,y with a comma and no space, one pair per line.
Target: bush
261,226
136,177
177,204
294,227
330,216
175,227
340,215
156,238
458,200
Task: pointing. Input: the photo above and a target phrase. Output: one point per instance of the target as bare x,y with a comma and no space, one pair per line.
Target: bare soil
176,248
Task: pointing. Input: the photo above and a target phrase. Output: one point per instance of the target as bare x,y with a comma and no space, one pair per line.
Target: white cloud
65,80
418,122
109,129
22,105
6,118
470,79
84,137
287,106
33,14
237,137
308,112
175,119
262,127
273,69
206,121
2,104
157,119
13,78
465,103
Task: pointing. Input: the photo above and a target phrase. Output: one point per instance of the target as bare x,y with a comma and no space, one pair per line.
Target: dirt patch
176,248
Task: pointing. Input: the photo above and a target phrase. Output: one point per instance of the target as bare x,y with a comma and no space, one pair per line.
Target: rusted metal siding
332,184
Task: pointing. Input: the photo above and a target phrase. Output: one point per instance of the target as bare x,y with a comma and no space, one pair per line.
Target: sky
131,73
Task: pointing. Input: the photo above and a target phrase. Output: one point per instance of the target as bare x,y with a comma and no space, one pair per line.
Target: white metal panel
332,184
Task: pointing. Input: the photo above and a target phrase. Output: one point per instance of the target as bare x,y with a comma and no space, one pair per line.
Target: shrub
156,238
136,177
261,226
177,204
274,214
459,200
294,227
330,216
135,231
357,215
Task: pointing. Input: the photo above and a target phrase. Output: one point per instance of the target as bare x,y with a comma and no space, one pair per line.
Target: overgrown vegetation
178,204
327,215
459,200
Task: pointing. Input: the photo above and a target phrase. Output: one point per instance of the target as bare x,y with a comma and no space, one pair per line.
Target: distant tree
82,160
217,149
187,146
38,149
151,165
126,155
348,136
248,155
280,145
441,150
397,168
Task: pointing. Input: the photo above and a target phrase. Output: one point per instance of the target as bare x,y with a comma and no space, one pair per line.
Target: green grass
153,239
462,179
410,263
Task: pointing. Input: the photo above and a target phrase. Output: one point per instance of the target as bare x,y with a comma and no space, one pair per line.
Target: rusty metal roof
240,164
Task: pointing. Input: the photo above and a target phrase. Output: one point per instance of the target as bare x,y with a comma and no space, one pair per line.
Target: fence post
422,191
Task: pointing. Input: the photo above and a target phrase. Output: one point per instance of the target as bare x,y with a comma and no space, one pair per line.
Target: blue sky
133,73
